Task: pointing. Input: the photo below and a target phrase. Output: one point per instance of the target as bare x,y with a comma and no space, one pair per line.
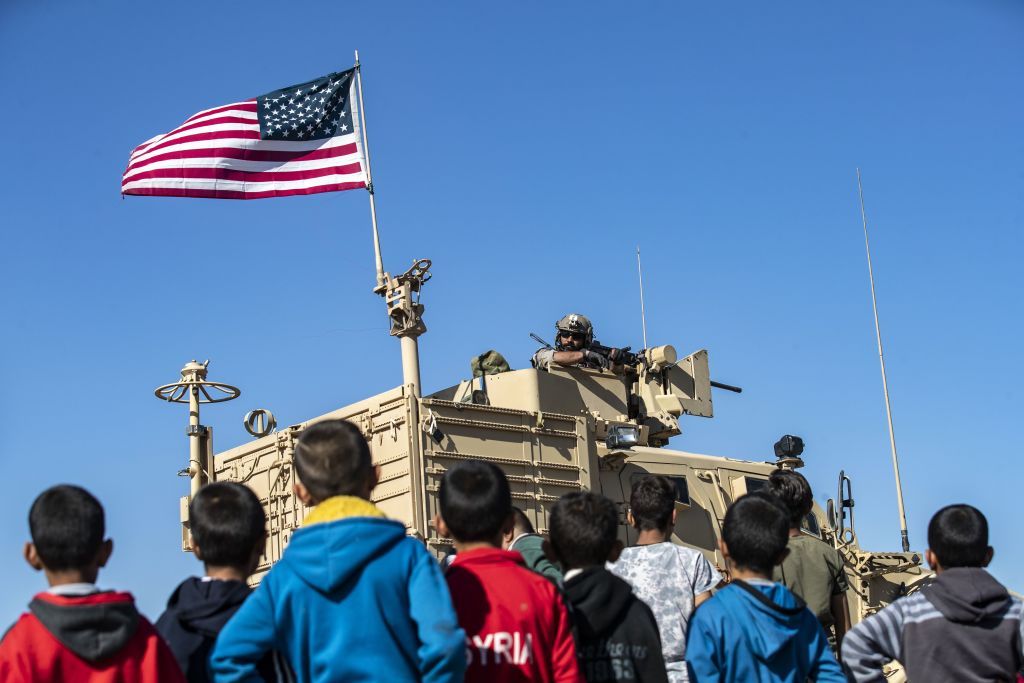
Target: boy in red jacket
517,628
74,631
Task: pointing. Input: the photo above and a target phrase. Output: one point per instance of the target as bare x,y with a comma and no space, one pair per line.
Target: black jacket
196,612
616,634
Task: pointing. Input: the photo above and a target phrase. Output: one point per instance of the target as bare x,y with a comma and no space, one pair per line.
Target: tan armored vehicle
552,432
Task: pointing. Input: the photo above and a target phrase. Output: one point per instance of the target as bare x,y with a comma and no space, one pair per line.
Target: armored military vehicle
552,432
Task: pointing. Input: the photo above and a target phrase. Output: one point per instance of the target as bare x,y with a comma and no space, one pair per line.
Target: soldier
574,337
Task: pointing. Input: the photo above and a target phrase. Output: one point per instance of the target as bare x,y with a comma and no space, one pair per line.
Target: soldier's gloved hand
593,358
621,355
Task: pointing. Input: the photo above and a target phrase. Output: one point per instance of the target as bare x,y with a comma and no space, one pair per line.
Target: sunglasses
575,335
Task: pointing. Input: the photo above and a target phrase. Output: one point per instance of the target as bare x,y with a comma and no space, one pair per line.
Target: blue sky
527,149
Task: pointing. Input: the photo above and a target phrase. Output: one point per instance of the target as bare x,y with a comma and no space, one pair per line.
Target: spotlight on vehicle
622,436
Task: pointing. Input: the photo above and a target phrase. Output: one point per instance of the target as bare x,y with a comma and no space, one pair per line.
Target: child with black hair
228,536
755,630
74,631
353,597
672,579
812,569
964,626
517,628
616,634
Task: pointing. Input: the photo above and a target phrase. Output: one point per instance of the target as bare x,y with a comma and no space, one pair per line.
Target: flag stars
315,110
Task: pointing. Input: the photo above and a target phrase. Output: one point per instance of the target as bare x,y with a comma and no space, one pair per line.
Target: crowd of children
355,599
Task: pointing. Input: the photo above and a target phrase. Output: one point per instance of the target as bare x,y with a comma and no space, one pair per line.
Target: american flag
302,139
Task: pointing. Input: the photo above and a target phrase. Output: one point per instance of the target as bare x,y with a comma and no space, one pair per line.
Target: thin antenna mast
369,180
643,315
885,385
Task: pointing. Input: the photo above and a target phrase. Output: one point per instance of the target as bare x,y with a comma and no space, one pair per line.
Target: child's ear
442,528
933,560
106,549
509,525
507,536
197,551
675,512
726,559
374,478
303,493
616,551
257,552
989,552
782,557
630,519
32,557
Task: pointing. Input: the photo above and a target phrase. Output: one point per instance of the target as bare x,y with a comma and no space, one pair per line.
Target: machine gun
623,356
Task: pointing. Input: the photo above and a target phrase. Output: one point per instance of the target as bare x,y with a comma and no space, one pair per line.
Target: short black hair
228,524
792,490
521,521
67,526
958,535
332,458
652,501
756,531
475,500
584,527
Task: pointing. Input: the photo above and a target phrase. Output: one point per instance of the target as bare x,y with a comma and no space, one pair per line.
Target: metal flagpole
885,385
404,312
643,315
369,180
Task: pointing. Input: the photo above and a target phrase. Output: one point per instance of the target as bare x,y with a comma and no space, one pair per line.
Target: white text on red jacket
499,648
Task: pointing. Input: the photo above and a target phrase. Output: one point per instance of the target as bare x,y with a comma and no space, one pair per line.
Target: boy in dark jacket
74,631
228,536
965,626
517,628
616,634
755,630
353,598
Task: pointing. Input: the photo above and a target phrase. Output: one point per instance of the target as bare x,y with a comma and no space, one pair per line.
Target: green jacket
531,548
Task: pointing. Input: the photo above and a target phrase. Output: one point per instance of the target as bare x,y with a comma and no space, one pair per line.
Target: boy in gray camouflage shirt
670,578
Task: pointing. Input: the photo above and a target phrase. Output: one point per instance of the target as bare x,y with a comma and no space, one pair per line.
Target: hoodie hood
94,627
205,606
774,615
968,595
337,540
600,600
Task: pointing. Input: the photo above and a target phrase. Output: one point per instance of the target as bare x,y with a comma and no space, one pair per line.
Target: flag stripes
224,152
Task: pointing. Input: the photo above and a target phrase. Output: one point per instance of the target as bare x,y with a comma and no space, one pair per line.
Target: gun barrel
727,387
540,341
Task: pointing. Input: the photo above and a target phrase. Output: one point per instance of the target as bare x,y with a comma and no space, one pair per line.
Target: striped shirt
917,631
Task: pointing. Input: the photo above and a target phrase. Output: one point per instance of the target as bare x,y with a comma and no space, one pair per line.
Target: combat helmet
574,322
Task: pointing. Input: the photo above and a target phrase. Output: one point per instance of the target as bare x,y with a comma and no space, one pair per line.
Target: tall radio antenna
643,315
885,385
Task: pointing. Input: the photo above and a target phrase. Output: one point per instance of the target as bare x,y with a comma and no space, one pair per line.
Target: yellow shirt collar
341,507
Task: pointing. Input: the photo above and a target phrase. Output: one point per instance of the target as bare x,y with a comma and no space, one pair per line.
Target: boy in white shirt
670,578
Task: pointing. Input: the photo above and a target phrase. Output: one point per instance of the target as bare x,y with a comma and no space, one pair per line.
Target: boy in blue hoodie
756,630
353,597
